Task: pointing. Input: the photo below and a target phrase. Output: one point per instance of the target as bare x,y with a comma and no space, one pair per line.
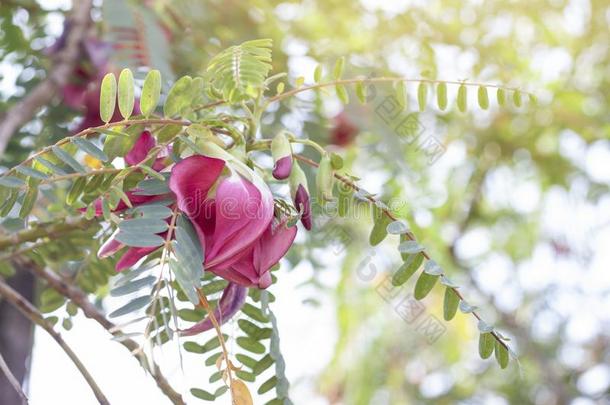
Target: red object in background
343,131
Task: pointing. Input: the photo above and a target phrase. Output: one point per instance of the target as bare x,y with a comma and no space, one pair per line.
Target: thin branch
12,379
79,298
42,94
94,130
409,235
45,229
297,90
30,312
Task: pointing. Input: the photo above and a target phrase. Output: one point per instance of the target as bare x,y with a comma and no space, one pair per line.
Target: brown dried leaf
240,393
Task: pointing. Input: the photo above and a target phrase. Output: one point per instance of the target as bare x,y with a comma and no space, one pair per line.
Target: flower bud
324,179
300,194
282,156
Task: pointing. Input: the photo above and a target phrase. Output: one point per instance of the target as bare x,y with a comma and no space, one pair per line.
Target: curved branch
12,379
30,312
409,235
23,111
79,298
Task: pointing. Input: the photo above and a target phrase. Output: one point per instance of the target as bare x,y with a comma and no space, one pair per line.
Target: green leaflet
501,97
422,96
143,225
462,98
151,91
139,239
178,97
379,231
90,148
132,306
11,181
28,201
202,394
126,93
31,172
133,286
486,345
65,157
483,97
108,97
338,69
441,96
407,269
342,93
317,74
424,285
501,354
450,304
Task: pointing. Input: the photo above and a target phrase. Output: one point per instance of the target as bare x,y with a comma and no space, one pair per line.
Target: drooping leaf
486,345
424,285
338,69
90,148
31,172
132,306
501,97
483,97
407,269
441,95
65,157
379,231
517,102
450,304
501,354
28,201
133,286
462,98
422,96
11,181
317,74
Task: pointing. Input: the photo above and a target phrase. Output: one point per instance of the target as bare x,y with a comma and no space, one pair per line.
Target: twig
206,305
30,312
94,130
79,298
409,235
44,230
12,379
68,57
297,90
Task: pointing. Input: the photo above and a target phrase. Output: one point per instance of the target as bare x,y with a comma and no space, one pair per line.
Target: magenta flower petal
302,203
266,253
191,179
110,247
243,212
132,256
140,149
282,168
232,300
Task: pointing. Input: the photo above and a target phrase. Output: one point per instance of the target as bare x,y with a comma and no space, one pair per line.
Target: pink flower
137,154
232,211
233,297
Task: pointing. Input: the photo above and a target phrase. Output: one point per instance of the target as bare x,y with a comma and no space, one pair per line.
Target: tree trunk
16,337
